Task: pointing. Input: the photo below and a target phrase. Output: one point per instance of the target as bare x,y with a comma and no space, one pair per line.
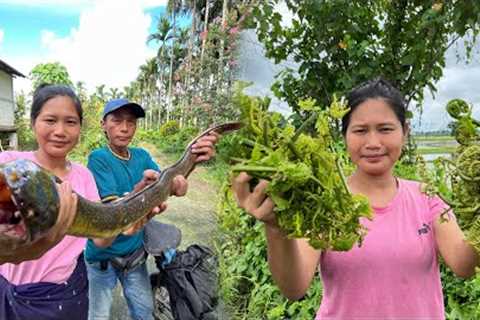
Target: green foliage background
337,43
247,287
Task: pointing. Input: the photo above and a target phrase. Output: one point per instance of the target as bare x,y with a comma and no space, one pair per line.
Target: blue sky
99,41
24,23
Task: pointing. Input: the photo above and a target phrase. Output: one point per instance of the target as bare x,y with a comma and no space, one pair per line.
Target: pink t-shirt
395,273
57,264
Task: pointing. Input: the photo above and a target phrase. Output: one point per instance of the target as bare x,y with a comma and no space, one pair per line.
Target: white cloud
108,46
2,34
46,2
287,15
459,80
60,7
153,3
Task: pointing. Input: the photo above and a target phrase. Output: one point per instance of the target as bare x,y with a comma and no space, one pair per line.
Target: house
8,132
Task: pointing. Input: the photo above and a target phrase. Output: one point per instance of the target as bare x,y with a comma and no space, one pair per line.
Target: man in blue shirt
119,169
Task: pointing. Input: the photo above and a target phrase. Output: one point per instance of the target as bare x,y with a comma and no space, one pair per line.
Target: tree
100,93
194,88
50,73
148,78
340,43
113,93
26,140
163,34
81,91
173,7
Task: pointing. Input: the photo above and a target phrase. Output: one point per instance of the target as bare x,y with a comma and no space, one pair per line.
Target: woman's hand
255,202
65,218
204,147
66,214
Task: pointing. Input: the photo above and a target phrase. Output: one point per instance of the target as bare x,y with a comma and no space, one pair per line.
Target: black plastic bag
191,281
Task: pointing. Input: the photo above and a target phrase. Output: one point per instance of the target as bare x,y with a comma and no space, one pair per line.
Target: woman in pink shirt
54,286
395,273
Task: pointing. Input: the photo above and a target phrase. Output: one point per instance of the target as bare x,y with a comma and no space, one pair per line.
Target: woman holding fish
54,285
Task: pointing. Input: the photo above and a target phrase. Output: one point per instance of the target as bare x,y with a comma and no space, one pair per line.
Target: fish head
29,202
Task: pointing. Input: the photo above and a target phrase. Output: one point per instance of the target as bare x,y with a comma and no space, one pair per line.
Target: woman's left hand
204,147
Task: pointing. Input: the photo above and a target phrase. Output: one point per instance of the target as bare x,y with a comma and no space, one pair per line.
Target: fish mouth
29,202
12,222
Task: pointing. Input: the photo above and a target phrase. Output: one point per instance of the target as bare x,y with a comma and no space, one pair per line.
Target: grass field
432,138
434,150
435,144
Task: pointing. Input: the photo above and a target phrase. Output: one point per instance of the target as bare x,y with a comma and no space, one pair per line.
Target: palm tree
100,92
163,35
113,93
221,64
173,7
81,91
205,29
148,77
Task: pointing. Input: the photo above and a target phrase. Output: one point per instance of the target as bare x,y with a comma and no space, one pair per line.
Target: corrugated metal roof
10,70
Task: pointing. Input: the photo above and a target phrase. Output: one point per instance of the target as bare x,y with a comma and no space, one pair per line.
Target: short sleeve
437,207
102,174
150,163
91,187
6,156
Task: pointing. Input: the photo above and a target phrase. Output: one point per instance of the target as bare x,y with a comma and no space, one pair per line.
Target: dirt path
193,214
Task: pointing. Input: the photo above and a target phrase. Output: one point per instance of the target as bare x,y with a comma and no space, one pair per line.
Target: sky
104,42
99,41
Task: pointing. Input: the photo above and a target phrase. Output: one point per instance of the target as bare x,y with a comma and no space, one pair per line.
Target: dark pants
45,300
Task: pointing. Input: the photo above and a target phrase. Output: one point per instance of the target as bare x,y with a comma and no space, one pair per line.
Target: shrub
169,128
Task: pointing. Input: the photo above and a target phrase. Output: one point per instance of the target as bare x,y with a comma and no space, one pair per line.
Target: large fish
29,201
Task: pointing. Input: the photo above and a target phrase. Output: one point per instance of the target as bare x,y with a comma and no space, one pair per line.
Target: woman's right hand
65,218
66,214
292,261
255,202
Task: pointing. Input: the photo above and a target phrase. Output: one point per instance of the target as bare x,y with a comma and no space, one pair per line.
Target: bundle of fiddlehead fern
305,174
463,172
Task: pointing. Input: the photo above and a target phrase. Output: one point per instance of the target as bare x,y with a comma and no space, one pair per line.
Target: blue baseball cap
116,104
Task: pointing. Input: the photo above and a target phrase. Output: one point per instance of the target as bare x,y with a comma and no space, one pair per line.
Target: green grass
436,150
217,172
433,138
